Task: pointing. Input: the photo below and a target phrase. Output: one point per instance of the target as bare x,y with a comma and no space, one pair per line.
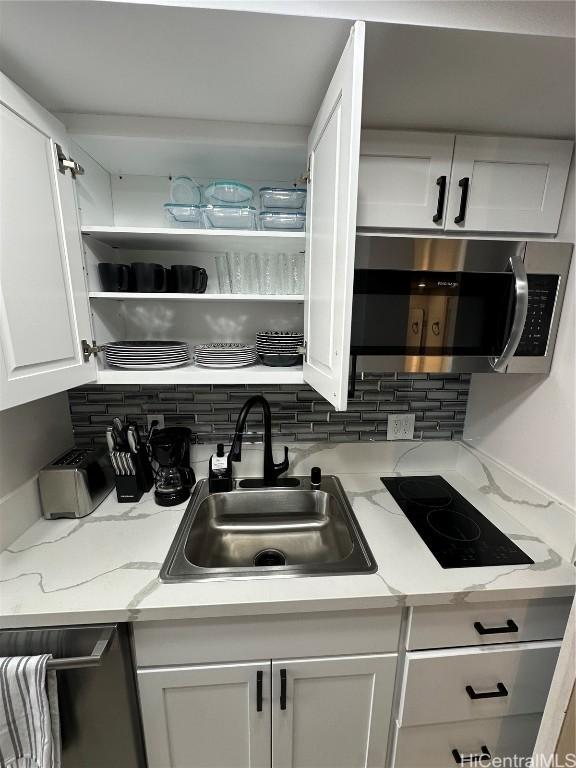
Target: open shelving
131,296
205,240
194,374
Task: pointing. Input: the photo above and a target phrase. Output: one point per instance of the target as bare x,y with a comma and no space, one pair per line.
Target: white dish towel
29,717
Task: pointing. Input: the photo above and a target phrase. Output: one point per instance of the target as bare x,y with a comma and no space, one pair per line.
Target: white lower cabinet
332,713
299,713
206,716
439,746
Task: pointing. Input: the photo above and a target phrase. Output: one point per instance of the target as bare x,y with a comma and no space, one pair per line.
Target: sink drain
267,557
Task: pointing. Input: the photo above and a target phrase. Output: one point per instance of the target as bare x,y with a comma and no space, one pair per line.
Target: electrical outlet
159,417
401,426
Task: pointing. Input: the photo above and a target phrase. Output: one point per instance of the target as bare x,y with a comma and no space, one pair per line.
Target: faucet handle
284,464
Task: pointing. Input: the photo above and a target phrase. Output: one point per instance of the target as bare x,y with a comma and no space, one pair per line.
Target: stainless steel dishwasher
99,712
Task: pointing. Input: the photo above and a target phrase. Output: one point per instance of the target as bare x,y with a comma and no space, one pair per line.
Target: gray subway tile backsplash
298,412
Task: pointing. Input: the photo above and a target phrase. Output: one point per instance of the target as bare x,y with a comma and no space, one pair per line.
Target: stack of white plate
222,355
141,355
280,347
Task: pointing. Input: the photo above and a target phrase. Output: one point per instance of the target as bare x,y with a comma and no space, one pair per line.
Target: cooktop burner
457,534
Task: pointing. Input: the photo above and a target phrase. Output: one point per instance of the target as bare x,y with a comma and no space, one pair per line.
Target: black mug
185,278
149,277
115,277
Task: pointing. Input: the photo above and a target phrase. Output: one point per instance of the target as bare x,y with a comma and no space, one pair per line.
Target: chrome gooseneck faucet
271,470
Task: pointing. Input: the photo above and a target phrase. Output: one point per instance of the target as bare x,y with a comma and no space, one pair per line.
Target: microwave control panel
542,290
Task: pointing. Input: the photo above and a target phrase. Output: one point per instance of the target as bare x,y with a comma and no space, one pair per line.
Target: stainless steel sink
279,531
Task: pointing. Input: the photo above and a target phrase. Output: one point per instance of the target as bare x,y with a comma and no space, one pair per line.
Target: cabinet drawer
431,746
442,687
485,624
329,633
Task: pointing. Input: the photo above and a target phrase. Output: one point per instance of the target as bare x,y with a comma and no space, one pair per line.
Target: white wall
528,423
31,435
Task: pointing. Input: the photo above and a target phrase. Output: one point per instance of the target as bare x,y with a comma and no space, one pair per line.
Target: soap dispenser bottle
220,472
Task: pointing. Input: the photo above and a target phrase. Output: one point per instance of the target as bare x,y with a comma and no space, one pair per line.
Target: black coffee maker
170,449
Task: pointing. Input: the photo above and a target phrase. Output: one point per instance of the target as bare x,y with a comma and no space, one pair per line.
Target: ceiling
439,79
118,58
167,60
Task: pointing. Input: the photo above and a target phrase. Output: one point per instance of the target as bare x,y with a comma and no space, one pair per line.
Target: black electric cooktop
457,534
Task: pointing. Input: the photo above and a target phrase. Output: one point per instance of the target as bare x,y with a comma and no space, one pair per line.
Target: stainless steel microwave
472,306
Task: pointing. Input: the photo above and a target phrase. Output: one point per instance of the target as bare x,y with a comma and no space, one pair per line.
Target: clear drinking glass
268,270
251,273
236,270
292,273
300,277
223,272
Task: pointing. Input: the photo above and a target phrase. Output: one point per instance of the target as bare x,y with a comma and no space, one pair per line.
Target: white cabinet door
333,154
404,179
507,184
332,713
44,310
206,716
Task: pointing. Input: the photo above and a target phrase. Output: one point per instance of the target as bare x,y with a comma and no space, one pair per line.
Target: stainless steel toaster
75,483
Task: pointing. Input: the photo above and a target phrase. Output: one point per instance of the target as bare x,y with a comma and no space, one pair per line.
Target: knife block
130,488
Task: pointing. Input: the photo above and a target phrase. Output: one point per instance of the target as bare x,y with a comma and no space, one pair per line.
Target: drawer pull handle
500,693
282,689
511,626
441,184
259,680
464,759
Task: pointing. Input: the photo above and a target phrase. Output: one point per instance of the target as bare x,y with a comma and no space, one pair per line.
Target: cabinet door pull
441,183
511,626
464,185
466,759
259,678
500,692
282,689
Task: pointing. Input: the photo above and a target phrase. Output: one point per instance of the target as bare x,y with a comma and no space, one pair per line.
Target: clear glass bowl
180,213
229,216
276,197
282,220
226,192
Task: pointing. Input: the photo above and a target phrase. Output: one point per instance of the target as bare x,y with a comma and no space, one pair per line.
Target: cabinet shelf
193,374
131,296
205,240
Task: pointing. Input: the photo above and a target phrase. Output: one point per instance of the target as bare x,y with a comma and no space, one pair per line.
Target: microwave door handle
521,290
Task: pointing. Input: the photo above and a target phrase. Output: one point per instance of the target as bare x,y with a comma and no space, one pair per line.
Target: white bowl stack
142,355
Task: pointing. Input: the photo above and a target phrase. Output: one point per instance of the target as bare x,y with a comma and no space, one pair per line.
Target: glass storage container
229,216
226,192
182,214
276,197
283,220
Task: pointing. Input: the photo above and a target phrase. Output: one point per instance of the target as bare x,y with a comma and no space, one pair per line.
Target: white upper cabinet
404,178
507,185
44,311
333,157
463,183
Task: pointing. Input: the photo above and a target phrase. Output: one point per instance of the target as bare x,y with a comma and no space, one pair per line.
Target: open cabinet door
44,308
333,159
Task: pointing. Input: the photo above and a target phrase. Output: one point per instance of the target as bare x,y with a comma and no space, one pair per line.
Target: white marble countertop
105,567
